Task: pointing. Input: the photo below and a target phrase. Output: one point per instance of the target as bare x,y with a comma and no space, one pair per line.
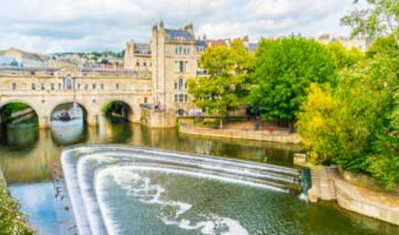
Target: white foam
151,194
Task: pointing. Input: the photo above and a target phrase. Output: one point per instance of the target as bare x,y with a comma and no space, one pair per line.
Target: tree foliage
341,57
284,70
383,46
228,79
356,124
381,18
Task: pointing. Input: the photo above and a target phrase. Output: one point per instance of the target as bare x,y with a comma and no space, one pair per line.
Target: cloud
76,25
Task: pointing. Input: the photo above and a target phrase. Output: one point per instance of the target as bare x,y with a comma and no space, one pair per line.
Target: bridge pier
44,122
92,120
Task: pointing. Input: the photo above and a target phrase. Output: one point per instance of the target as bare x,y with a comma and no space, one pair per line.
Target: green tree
356,125
228,79
381,18
284,70
384,46
341,57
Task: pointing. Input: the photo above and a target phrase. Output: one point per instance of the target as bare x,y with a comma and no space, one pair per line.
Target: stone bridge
43,89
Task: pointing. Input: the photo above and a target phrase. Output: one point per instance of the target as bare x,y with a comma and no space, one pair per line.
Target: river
28,156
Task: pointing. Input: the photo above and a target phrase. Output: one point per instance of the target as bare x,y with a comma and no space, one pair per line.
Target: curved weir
103,181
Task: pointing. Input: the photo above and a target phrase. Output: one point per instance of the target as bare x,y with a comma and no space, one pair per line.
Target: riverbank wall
17,115
328,184
261,135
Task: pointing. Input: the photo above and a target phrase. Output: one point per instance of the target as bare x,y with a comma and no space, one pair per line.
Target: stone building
360,43
172,58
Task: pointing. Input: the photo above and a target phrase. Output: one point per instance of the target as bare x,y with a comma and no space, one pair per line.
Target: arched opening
67,123
118,110
68,113
19,124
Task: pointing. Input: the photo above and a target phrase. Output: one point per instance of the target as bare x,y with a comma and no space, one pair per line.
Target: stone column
92,120
44,122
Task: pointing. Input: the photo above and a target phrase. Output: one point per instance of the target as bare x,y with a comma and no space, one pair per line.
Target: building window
33,86
186,98
43,87
68,83
176,97
86,87
79,86
175,85
14,86
138,63
185,85
52,86
181,98
117,86
145,100
181,66
145,64
181,84
102,86
32,73
94,86
59,86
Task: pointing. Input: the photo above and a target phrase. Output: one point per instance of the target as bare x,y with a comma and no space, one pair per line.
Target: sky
47,26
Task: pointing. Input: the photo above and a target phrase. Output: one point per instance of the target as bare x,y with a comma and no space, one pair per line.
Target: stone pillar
44,122
92,120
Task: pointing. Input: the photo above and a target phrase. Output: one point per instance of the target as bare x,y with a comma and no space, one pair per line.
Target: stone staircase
323,184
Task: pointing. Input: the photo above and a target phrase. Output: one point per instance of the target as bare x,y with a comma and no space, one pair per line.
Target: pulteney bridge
43,89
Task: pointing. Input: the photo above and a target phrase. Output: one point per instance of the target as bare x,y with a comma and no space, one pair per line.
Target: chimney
189,28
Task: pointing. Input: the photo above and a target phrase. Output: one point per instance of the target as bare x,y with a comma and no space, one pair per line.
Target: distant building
26,59
360,43
7,61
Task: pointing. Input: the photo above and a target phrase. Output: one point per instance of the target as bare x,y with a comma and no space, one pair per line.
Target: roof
252,46
142,48
8,61
201,43
178,35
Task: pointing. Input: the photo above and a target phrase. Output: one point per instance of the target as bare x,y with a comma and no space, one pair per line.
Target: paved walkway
243,134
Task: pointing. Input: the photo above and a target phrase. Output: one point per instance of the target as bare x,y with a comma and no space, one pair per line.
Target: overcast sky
83,25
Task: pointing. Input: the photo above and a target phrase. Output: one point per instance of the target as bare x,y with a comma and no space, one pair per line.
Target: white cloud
81,25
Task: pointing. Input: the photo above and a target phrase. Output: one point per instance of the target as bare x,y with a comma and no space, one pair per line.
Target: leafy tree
384,46
228,79
284,70
380,19
341,57
356,125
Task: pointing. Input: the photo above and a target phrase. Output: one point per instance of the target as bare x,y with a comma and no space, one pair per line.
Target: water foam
140,187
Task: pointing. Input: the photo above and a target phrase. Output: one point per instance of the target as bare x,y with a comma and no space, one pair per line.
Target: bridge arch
118,108
25,111
67,105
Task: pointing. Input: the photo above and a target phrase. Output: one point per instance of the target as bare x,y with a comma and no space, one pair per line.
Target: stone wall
276,136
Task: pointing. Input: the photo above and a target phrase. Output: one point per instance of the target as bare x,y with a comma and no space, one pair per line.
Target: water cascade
116,189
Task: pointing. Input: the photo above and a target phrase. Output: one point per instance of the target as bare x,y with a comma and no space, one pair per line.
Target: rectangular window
186,97
176,96
94,86
33,86
59,86
102,86
14,86
181,98
52,86
117,86
181,66
79,86
43,87
86,87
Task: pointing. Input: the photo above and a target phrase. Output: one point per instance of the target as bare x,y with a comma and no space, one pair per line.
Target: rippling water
27,157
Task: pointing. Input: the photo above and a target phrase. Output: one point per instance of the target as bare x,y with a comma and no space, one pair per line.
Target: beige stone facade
44,89
172,59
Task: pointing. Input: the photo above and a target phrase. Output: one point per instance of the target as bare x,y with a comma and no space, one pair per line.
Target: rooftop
178,35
